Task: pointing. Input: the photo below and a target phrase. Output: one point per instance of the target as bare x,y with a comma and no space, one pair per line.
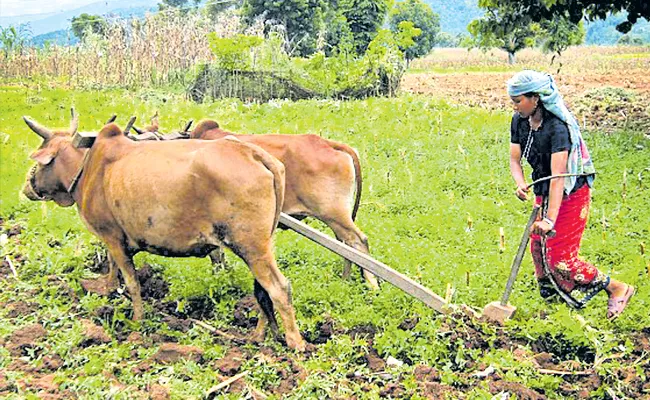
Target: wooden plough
408,285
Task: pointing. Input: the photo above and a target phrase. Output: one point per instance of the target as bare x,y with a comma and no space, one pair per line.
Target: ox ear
44,156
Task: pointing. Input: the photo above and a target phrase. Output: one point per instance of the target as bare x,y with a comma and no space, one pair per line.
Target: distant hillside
603,32
63,37
456,14
45,23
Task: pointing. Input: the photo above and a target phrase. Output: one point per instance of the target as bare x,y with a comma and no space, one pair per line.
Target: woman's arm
517,172
556,191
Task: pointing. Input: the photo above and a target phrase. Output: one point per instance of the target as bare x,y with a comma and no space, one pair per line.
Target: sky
10,8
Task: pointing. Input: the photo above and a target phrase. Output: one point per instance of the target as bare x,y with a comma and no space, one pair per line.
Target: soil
374,361
159,392
245,313
93,334
25,338
152,284
20,309
231,362
172,352
520,391
582,93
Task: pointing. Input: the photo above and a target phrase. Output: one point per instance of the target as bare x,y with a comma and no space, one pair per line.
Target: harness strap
80,171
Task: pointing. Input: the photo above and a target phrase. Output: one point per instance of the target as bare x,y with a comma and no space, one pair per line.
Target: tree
423,18
574,10
215,7
85,23
301,20
364,17
630,40
559,34
497,30
176,4
502,27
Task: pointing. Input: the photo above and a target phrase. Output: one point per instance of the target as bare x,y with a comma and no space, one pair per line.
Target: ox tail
358,179
277,169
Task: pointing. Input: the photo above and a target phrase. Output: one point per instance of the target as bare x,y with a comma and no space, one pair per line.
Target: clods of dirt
374,361
517,389
25,338
159,392
424,373
246,312
172,352
177,324
151,283
365,331
231,362
20,309
93,334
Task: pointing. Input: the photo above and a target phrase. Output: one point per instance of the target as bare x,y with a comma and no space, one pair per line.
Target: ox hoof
258,336
101,286
296,344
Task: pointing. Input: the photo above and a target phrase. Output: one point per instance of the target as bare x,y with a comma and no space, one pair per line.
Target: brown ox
196,196
323,180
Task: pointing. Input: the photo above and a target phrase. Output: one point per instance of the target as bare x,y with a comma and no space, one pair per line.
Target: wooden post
502,240
368,263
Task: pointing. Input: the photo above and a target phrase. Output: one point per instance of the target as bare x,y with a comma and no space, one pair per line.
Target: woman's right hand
522,189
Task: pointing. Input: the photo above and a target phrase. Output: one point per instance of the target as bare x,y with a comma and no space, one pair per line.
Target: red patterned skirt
558,256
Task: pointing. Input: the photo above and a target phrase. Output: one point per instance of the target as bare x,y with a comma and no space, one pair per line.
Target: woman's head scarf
579,161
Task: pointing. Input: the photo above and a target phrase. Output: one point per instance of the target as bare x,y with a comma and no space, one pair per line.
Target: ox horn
188,125
111,119
74,124
129,125
40,130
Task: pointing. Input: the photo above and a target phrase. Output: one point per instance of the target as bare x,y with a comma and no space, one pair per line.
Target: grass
429,167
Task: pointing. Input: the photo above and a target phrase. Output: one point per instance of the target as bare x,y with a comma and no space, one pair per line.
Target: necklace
531,137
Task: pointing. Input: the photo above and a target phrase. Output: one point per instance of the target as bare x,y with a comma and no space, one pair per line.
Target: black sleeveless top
552,137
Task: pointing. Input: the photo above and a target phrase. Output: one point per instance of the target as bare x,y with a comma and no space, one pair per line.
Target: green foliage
176,4
215,7
365,18
490,32
446,39
423,18
559,34
522,11
298,20
503,27
630,40
233,53
13,39
85,24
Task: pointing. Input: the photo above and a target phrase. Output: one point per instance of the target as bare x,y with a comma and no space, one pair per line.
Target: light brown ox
196,196
323,180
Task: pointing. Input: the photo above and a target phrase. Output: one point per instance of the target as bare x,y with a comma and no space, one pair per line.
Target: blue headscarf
579,161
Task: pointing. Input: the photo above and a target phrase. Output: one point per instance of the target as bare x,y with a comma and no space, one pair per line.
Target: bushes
249,68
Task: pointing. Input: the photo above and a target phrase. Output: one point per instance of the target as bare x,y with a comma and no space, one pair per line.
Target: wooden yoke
85,140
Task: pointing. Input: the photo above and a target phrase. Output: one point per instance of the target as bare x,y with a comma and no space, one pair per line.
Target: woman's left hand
541,227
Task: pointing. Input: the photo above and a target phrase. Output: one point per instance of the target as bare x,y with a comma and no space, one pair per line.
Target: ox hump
204,126
110,131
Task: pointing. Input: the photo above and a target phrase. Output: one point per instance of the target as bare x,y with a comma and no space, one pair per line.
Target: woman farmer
545,133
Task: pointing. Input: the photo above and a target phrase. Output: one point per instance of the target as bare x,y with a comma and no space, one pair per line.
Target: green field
436,191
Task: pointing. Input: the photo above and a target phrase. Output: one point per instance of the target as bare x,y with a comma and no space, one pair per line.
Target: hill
45,23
